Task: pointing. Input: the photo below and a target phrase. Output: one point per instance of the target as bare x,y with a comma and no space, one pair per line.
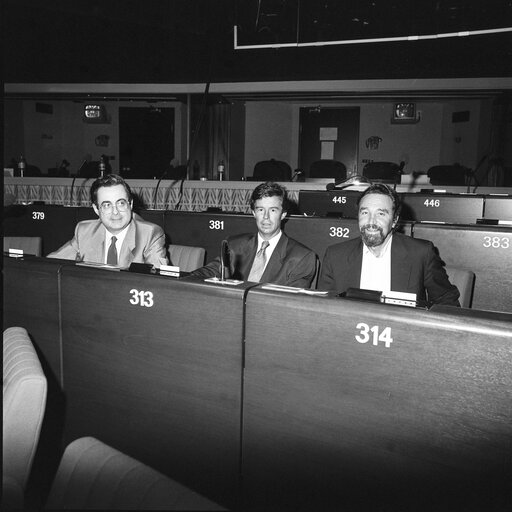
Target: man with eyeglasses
117,237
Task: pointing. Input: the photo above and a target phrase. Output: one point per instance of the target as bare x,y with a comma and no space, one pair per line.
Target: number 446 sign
375,334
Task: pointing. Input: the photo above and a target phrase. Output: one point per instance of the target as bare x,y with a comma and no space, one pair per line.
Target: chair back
328,169
93,475
24,403
383,172
187,257
28,244
447,175
272,170
464,280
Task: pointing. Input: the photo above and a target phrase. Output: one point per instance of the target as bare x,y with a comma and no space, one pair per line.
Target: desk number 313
366,332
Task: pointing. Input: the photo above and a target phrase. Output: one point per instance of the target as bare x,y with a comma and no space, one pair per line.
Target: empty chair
28,244
464,280
383,172
272,170
93,475
328,169
24,403
447,175
187,257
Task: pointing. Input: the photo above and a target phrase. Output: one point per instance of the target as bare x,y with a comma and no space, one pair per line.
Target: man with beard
383,260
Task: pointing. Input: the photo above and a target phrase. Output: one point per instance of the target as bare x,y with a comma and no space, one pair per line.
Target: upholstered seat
93,475
272,170
464,280
28,244
187,257
24,403
328,169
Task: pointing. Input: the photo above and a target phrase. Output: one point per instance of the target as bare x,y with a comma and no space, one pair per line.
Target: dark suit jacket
415,268
291,263
144,243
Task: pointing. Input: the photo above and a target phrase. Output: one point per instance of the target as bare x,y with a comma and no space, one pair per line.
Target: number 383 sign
375,334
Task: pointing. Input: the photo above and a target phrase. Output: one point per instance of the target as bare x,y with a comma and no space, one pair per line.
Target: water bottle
102,166
22,166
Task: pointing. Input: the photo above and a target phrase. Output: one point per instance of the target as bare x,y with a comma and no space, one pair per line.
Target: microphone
155,196
225,259
398,176
353,180
296,174
73,182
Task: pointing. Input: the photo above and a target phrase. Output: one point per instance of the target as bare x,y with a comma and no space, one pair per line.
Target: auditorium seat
464,280
383,172
24,403
447,175
93,475
28,244
328,169
187,257
272,170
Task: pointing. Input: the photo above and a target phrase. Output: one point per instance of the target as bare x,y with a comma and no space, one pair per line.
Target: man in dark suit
384,260
117,237
269,255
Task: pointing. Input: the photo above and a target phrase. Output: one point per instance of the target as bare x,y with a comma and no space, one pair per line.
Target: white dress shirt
119,242
376,271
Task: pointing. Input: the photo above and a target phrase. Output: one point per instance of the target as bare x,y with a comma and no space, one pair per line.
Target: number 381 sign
374,333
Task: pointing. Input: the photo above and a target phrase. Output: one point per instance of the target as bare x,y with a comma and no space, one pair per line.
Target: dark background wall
181,41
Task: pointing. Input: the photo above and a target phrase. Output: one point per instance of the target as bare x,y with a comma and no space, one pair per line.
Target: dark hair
108,181
385,190
270,189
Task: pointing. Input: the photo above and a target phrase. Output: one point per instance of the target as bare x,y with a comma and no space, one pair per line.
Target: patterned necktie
112,252
259,263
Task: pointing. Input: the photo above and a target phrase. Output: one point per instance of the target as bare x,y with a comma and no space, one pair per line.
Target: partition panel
152,366
54,224
486,250
206,229
498,207
353,405
452,208
31,300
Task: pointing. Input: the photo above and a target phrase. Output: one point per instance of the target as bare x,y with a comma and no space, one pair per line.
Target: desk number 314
366,332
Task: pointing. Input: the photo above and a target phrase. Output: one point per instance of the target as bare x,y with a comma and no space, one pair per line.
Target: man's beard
372,239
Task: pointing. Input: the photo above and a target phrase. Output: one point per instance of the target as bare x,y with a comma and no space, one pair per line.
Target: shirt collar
272,242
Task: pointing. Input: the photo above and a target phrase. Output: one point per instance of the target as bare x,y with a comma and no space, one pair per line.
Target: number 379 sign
377,335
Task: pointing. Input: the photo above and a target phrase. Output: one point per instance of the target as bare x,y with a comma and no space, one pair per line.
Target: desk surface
357,406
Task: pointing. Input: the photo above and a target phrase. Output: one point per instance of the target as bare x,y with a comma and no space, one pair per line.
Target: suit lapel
400,266
241,265
275,264
128,247
352,272
94,245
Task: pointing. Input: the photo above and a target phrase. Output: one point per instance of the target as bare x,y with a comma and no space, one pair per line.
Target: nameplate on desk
15,253
169,270
400,299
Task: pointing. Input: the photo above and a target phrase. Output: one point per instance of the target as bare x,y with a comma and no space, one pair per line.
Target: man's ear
283,215
95,208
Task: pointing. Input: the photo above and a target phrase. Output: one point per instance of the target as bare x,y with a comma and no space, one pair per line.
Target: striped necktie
259,263
112,252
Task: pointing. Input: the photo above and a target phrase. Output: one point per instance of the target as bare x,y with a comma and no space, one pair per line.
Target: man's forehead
269,201
112,193
380,201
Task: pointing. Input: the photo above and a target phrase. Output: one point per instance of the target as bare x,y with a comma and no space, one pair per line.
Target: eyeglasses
121,206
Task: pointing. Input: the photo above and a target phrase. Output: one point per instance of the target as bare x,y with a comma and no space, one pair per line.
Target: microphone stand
73,183
155,196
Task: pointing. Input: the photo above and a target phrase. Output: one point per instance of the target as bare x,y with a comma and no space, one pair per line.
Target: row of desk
265,400
416,206
484,249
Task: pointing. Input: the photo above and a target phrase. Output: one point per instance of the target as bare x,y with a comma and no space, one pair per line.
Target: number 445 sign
366,332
